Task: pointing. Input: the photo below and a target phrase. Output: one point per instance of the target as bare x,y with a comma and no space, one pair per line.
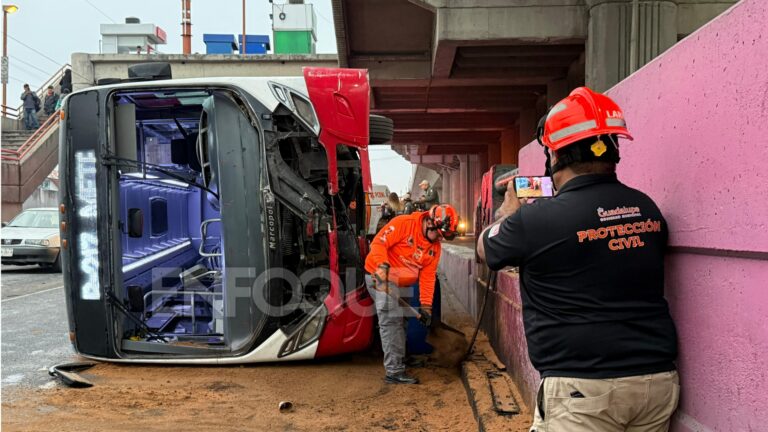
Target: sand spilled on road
340,395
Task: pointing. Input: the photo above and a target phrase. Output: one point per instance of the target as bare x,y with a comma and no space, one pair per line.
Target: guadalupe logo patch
494,230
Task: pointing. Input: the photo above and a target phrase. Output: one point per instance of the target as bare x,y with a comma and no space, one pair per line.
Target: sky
42,34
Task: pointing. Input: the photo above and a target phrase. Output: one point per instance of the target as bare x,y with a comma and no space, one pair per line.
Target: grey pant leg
391,328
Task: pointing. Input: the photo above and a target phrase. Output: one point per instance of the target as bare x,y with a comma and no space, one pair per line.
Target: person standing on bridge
31,105
404,252
430,197
51,100
59,102
591,265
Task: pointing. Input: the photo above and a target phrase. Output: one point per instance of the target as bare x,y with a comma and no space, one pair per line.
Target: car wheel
381,129
56,266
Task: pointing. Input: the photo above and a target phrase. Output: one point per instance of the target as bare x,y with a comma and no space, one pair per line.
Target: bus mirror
135,223
125,132
5,224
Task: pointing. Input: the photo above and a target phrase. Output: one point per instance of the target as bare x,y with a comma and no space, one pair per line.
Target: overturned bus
218,220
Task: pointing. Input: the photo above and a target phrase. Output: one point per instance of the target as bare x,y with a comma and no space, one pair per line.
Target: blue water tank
416,334
219,43
255,44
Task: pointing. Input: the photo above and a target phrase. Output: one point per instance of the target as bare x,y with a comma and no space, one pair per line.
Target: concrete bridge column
456,188
556,91
609,44
491,157
464,185
510,145
478,167
10,210
446,180
527,127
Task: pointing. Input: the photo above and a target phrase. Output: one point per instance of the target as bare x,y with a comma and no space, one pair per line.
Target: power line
46,57
28,71
100,11
16,79
48,74
57,63
326,19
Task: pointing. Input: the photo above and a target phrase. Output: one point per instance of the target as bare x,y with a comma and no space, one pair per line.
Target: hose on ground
490,283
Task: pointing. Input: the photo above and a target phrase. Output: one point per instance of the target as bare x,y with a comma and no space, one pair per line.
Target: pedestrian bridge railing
34,141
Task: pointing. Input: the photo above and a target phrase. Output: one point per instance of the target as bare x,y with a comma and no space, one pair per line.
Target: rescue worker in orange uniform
405,251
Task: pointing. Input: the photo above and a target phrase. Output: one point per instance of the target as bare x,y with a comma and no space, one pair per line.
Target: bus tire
381,129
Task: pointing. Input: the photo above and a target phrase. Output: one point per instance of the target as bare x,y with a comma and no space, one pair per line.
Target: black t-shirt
592,280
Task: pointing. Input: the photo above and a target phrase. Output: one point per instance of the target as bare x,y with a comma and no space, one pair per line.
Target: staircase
27,156
14,139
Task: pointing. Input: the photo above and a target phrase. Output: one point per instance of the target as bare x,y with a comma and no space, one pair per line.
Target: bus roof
258,87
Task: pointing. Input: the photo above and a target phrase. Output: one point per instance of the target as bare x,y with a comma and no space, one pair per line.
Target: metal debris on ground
501,390
66,373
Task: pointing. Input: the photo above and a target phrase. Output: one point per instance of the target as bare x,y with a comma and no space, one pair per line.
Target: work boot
400,378
415,361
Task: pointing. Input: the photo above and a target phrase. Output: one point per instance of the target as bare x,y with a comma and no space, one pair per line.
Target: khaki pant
642,403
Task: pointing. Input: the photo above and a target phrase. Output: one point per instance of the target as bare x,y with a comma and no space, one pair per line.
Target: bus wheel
380,129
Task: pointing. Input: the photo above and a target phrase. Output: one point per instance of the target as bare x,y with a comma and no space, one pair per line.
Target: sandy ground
341,395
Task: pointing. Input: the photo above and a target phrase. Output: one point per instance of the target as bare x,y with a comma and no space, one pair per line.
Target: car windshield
36,219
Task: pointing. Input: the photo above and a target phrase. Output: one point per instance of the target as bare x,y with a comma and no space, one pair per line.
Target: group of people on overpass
394,206
30,102
598,327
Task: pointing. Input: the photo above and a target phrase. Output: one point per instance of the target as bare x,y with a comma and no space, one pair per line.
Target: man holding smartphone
592,280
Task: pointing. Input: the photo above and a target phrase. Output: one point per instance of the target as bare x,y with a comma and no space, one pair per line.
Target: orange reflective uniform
411,256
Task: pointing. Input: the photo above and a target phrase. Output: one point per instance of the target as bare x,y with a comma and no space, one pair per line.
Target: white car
32,237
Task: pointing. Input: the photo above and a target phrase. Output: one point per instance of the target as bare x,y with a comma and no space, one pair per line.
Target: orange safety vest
410,255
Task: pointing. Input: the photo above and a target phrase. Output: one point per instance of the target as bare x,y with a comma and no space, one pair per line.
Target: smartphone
533,187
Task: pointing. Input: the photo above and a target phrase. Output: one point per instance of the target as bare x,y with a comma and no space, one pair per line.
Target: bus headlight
305,333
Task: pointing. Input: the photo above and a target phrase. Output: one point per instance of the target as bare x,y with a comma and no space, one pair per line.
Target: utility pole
7,9
634,40
243,44
186,26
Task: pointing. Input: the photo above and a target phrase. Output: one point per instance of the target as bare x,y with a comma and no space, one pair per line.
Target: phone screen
533,187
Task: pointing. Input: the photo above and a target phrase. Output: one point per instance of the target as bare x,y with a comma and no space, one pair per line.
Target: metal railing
33,141
15,113
11,112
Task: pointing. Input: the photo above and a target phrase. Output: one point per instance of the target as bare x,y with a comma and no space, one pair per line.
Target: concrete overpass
466,80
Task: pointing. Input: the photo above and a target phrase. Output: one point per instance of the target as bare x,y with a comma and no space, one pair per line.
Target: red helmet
581,115
445,220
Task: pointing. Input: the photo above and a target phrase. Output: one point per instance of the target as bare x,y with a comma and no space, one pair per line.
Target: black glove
425,318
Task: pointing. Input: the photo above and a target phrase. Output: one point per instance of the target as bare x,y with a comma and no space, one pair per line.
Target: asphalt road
34,326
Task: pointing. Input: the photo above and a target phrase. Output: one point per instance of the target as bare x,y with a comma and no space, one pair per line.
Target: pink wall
699,114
